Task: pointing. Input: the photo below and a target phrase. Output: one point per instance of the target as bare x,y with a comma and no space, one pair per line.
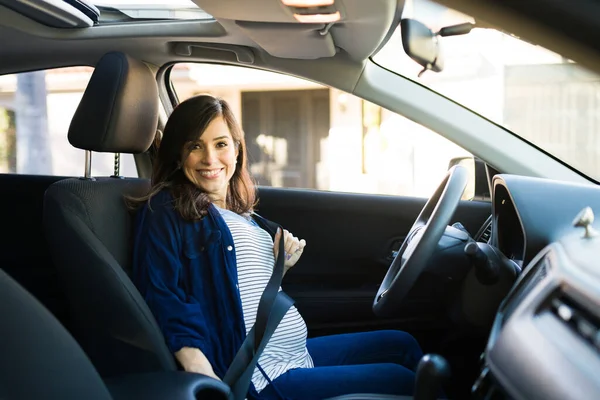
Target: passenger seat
88,226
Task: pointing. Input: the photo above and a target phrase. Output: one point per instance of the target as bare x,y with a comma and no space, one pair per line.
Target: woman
202,259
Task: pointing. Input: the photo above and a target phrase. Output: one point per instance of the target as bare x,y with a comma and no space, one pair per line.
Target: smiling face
212,161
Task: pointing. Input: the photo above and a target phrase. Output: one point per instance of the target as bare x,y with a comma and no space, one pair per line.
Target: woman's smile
210,173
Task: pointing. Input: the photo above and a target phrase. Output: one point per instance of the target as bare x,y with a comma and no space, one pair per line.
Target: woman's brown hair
186,124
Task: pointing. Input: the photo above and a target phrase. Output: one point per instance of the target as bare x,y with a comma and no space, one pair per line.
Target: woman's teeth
209,174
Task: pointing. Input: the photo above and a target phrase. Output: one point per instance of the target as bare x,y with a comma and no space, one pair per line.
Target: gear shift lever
433,370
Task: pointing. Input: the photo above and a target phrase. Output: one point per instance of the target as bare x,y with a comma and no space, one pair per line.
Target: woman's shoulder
157,220
160,204
162,198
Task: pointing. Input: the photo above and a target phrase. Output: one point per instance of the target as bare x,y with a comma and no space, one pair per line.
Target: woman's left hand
292,245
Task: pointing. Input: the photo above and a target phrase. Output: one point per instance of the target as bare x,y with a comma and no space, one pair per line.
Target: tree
8,156
33,142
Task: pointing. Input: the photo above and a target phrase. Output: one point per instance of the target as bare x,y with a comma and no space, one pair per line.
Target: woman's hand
193,360
293,248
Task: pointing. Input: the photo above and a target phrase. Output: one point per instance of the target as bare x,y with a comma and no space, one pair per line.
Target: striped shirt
255,262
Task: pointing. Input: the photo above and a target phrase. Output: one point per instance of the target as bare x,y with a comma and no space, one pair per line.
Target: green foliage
8,148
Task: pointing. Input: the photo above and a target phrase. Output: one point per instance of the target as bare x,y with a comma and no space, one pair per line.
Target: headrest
119,109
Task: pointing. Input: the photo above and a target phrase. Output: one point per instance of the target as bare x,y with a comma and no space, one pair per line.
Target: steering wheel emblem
585,219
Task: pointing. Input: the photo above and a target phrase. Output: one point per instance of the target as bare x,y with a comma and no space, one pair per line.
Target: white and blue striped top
255,262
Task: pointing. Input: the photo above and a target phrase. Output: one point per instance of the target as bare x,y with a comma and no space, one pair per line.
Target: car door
350,239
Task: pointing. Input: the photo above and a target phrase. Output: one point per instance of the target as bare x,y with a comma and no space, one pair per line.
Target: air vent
526,283
485,232
577,317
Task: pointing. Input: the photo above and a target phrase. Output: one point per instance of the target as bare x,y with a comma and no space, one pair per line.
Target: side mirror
478,187
421,44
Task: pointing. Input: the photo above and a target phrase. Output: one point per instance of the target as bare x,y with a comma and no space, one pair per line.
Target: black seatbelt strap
272,307
239,374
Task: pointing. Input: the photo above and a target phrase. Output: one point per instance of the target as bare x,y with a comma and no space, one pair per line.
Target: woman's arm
194,360
157,271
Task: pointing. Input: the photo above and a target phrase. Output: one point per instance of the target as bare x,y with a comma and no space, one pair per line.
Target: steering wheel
421,241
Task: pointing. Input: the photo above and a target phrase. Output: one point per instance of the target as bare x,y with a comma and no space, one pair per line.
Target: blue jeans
381,362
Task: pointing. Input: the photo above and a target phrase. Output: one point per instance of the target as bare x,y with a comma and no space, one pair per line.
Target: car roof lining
30,45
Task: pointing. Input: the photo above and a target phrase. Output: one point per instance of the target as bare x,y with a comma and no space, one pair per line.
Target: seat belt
272,307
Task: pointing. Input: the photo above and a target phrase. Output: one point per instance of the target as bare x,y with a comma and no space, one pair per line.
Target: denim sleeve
157,271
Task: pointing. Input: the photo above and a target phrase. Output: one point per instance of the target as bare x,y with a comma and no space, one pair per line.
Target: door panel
349,240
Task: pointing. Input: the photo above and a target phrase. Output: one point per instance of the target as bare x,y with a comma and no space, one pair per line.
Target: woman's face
212,160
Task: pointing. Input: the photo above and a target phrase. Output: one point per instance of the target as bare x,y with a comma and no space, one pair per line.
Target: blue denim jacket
187,273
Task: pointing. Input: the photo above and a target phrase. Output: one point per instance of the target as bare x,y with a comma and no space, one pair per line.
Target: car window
36,109
301,134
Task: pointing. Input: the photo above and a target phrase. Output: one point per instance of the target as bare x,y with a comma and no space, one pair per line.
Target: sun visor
304,41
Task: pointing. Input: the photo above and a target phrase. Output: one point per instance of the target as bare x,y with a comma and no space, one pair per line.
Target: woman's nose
208,157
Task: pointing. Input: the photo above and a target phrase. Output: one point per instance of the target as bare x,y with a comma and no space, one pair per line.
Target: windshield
535,93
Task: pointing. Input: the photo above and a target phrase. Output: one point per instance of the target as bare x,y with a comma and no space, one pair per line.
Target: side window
36,109
300,134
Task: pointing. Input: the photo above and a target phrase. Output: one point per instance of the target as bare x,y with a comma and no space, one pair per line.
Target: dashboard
545,338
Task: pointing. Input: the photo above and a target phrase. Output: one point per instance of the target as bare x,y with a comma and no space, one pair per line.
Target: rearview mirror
422,45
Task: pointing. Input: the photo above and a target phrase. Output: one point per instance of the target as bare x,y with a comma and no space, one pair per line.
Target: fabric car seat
32,344
41,360
88,226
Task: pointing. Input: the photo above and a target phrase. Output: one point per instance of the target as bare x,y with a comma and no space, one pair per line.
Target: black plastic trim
54,14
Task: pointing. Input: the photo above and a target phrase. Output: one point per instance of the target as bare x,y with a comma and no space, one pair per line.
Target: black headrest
119,109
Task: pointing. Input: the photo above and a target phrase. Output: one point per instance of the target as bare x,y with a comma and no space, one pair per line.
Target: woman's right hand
193,360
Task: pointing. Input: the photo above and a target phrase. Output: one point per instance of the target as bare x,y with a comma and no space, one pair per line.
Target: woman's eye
222,144
194,146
